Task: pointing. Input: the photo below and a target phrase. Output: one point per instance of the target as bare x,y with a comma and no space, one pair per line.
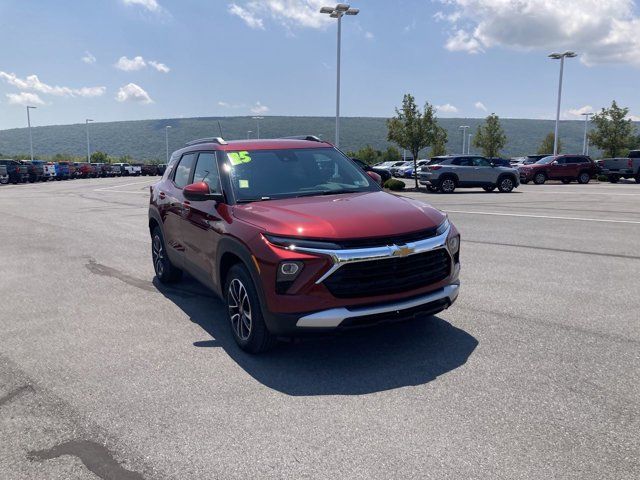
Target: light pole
464,129
561,57
585,145
469,144
257,119
166,140
86,123
249,132
30,137
338,12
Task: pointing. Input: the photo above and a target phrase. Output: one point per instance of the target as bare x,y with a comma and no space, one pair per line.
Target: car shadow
355,363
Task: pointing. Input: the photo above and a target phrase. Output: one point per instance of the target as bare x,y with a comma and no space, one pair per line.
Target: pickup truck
4,176
50,171
63,171
616,168
126,169
17,172
35,170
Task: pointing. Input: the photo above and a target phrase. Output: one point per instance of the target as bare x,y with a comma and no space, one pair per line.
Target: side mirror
199,192
555,162
375,177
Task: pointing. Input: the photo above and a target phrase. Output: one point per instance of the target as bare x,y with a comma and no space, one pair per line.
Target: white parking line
558,192
148,182
600,220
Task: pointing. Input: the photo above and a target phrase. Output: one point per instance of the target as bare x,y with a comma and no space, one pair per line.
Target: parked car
161,168
566,168
263,224
383,173
17,172
531,159
501,162
35,170
4,175
63,170
406,171
125,169
395,170
73,170
85,170
50,170
149,169
445,174
101,169
136,169
617,168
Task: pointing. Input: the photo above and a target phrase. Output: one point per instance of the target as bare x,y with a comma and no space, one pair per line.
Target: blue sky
136,59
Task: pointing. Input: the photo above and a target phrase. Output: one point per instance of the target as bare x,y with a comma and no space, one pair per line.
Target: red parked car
566,168
296,238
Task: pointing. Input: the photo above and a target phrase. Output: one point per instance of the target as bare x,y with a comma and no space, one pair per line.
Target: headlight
454,244
292,243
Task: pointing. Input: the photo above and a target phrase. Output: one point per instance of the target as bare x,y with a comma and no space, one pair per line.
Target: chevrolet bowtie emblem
402,251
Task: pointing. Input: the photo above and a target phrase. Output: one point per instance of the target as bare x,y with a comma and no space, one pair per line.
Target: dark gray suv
445,174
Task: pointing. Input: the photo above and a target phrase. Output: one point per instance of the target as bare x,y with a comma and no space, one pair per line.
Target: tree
412,129
99,157
392,154
490,137
613,132
547,144
439,146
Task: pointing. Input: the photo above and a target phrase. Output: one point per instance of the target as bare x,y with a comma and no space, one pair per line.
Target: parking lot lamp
30,137
585,144
338,12
166,140
257,119
249,132
561,57
464,129
86,123
469,144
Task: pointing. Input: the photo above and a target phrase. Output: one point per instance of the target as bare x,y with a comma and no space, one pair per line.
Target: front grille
388,276
385,241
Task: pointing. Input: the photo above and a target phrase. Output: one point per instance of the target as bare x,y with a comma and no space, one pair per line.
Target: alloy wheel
506,185
239,309
448,185
158,255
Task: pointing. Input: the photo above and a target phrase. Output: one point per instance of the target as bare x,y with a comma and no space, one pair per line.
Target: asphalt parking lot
534,373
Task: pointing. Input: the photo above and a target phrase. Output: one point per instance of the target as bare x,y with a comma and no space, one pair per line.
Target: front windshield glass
270,174
546,160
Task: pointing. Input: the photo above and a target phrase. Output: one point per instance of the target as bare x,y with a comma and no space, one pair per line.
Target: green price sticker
239,157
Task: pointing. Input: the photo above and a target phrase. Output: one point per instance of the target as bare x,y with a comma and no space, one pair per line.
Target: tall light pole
86,123
30,137
469,144
585,145
166,140
340,10
249,132
464,129
257,119
561,57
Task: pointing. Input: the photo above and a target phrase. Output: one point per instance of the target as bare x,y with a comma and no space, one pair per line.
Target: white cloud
161,67
603,32
24,98
577,112
480,106
368,35
89,58
446,108
151,5
247,16
133,93
130,64
634,118
290,13
33,83
259,109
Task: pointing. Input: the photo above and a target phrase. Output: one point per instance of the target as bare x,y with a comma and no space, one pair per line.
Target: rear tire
166,271
447,185
245,314
584,178
614,178
539,178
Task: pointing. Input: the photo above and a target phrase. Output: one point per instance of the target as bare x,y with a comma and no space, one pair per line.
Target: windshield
269,174
546,160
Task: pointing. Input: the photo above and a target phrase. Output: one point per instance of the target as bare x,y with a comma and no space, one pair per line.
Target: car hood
346,216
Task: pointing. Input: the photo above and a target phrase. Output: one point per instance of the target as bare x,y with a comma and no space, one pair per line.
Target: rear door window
183,170
462,162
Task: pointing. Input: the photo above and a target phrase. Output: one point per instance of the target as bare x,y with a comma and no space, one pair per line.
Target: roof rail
218,140
310,138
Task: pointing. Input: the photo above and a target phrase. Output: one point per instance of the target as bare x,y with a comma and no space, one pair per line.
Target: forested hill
145,139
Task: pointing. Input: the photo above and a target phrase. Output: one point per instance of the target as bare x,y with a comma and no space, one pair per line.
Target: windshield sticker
244,183
239,157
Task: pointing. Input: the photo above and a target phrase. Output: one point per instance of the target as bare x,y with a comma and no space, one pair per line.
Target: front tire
539,178
447,185
584,178
506,185
166,271
245,314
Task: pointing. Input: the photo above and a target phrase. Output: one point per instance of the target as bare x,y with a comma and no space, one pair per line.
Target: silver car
445,174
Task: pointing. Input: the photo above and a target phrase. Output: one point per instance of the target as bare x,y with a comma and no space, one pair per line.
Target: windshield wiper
251,200
328,192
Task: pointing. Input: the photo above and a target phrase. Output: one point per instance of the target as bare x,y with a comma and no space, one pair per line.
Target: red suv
296,238
561,167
